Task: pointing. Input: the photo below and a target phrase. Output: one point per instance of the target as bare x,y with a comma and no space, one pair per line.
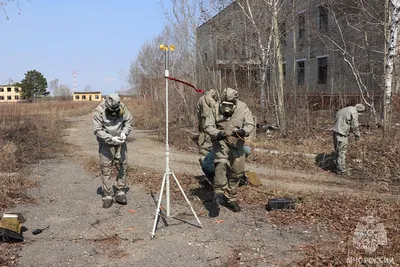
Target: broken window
1,97
302,25
1,89
322,70
323,19
96,97
16,97
300,72
268,75
77,97
284,70
8,97
8,89
84,97
282,31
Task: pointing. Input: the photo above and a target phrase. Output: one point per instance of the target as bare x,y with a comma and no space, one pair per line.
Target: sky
97,38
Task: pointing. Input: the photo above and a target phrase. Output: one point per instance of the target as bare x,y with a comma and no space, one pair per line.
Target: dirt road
144,151
82,233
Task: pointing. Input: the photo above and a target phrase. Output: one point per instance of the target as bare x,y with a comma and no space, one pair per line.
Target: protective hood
360,108
211,97
112,101
230,95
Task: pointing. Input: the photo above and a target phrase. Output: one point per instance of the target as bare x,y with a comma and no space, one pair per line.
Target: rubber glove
117,140
221,136
240,133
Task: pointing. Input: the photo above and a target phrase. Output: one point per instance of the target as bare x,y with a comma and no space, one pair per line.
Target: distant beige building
10,93
87,96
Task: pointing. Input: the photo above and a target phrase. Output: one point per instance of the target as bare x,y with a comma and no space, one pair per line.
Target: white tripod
168,173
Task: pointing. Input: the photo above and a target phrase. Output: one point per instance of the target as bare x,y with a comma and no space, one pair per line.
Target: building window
322,70
96,97
302,25
284,70
8,89
323,19
282,31
16,97
8,97
300,72
84,97
15,89
1,97
77,97
255,44
1,89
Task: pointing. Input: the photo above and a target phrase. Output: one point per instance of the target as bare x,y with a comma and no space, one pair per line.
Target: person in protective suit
346,122
112,124
228,124
205,103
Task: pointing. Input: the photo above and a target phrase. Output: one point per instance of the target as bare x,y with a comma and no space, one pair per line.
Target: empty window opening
300,72
322,70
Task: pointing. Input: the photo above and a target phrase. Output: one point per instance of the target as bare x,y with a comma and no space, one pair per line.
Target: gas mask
113,113
227,108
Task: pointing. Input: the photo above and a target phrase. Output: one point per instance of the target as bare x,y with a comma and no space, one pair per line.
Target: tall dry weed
30,132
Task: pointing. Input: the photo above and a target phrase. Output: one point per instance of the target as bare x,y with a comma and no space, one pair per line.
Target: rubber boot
218,200
233,206
120,198
107,202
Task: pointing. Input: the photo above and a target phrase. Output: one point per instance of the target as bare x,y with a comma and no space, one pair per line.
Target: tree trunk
394,8
264,51
294,83
279,58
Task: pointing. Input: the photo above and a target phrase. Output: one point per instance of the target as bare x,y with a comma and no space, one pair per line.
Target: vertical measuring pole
167,170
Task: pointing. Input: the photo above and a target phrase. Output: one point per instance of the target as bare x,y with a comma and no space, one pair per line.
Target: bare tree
185,17
267,34
279,58
5,3
147,69
63,91
264,48
53,86
393,18
357,31
88,88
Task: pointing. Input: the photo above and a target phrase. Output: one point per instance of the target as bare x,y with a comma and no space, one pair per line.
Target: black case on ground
280,203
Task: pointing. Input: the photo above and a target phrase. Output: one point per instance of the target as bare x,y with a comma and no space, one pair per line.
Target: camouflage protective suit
229,153
346,122
205,103
107,126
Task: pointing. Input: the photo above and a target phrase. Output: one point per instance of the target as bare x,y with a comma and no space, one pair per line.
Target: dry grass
28,132
340,215
33,131
146,114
